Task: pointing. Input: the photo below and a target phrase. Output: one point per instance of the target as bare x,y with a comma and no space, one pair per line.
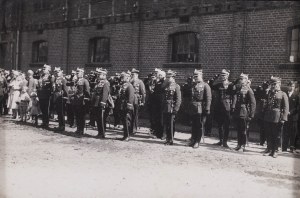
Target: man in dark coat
139,97
200,101
3,87
170,105
80,100
224,105
44,89
126,104
291,126
60,90
276,114
99,100
244,109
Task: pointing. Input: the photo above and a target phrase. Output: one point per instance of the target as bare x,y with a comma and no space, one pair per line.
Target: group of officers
124,94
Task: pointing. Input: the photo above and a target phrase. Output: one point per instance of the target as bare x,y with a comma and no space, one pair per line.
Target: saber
102,121
171,123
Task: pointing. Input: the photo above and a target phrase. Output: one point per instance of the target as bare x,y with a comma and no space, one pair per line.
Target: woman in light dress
15,86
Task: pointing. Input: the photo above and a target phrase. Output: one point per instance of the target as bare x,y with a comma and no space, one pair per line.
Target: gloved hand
232,110
249,119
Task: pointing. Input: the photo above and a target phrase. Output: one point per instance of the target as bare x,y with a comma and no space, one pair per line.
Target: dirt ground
40,163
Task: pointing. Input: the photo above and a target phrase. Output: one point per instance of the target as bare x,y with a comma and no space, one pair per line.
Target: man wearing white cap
224,105
126,100
99,100
201,97
139,97
80,99
60,90
44,89
244,110
276,114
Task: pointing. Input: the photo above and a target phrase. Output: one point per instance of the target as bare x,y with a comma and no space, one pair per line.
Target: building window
41,5
99,50
295,44
40,52
185,47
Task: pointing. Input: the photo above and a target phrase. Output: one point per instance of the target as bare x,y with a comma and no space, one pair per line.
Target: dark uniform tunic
225,101
70,109
149,86
3,87
199,107
170,106
261,96
126,107
276,110
291,126
79,101
44,90
244,109
99,102
139,98
60,90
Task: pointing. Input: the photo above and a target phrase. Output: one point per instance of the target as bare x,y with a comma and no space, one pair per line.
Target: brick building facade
255,37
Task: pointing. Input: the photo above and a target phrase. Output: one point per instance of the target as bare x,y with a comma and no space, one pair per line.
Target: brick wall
249,41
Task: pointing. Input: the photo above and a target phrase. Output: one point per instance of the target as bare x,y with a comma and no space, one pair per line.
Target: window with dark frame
295,43
40,52
99,50
41,5
185,47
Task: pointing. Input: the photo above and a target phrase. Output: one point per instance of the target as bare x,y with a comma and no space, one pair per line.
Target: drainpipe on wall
18,41
67,17
139,34
244,40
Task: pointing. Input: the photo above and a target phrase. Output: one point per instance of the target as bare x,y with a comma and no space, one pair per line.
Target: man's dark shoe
163,138
61,128
101,136
168,143
196,145
273,154
219,143
126,139
225,145
237,148
191,143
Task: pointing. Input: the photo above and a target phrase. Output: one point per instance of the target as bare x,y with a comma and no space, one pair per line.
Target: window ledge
182,65
98,65
36,64
289,65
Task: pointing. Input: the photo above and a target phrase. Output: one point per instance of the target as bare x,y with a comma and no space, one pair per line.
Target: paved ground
40,163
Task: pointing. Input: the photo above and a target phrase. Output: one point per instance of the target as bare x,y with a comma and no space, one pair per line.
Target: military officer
44,90
170,105
80,100
200,101
224,104
149,86
71,91
244,109
99,100
60,90
139,97
276,113
126,104
291,126
3,87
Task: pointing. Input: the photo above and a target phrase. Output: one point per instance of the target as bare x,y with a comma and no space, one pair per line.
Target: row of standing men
126,94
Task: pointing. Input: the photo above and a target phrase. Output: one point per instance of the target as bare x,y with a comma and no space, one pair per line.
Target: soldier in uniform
71,91
3,87
276,113
44,91
60,90
224,105
99,100
261,94
139,97
170,106
80,100
244,109
200,101
291,126
115,86
126,104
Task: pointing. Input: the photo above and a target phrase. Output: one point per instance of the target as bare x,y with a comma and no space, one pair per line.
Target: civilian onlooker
34,108
3,86
14,94
31,82
23,105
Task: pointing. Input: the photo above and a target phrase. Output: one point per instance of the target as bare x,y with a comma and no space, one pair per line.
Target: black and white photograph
149,99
